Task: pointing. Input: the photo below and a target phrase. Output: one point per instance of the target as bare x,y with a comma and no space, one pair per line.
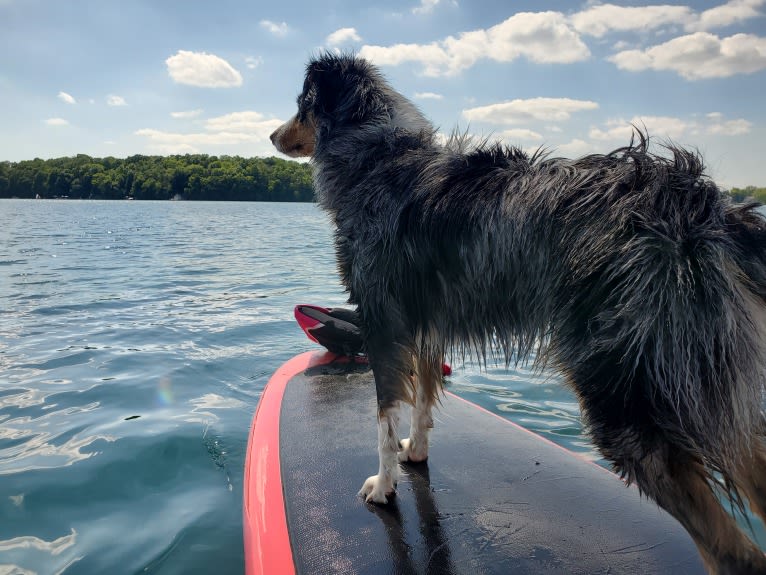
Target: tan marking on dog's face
294,138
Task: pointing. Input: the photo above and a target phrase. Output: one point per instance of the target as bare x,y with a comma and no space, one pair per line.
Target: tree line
189,177
748,193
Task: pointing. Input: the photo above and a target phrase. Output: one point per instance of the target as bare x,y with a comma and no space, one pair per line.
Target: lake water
135,341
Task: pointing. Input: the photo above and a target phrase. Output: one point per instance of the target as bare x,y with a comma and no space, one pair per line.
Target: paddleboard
492,498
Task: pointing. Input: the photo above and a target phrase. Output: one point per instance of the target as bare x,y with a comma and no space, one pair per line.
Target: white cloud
57,122
114,100
699,55
600,19
167,143
614,130
656,126
670,127
726,15
64,97
573,149
343,36
247,121
542,37
518,111
276,28
202,69
247,127
428,96
425,6
201,138
432,56
516,134
730,127
186,114
252,62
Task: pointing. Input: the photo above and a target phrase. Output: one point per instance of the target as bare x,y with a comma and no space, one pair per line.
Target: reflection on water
135,339
54,547
34,550
534,400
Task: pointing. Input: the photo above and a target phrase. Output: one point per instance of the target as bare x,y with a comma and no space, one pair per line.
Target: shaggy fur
630,273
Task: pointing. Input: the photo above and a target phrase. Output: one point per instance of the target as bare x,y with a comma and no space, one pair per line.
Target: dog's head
341,91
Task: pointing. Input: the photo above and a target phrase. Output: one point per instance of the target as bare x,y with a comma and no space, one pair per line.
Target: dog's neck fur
405,115
359,148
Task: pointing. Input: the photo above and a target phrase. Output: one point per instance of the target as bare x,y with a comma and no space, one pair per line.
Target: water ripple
135,340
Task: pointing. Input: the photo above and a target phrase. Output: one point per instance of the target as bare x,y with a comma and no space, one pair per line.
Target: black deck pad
492,498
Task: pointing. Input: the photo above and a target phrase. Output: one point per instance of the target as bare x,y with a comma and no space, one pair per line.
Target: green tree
748,193
192,176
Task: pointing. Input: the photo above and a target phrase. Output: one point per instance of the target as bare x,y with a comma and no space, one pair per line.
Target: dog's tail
699,264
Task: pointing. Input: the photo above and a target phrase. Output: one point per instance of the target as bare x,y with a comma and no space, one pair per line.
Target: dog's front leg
392,366
377,488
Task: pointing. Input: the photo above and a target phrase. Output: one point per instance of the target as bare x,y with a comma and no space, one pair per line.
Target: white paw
412,451
376,490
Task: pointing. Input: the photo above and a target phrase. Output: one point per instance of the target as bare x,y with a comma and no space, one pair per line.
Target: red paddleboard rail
266,537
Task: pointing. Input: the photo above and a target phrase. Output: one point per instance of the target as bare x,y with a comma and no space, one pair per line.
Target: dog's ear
341,89
307,101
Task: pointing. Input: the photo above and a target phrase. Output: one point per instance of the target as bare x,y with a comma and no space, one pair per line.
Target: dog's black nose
273,135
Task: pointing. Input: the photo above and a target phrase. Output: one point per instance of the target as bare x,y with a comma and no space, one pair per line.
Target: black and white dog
629,272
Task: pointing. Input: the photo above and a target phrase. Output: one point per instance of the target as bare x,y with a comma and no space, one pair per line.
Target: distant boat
177,197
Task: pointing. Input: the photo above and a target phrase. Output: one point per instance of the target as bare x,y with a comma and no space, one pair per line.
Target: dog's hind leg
427,385
680,484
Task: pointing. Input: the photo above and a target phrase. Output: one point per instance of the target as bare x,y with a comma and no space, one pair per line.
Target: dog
630,273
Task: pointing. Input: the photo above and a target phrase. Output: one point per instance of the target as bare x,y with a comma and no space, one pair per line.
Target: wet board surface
493,498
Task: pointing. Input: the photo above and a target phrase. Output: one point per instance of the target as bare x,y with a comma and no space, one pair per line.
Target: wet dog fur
630,273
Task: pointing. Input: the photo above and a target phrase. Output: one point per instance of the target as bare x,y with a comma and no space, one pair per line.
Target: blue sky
103,77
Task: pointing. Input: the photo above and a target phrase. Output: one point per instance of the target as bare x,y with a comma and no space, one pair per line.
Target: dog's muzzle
294,139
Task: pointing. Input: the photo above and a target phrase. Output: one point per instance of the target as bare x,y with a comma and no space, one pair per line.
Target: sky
109,78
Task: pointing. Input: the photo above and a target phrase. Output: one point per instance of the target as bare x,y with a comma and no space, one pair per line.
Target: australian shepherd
630,273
